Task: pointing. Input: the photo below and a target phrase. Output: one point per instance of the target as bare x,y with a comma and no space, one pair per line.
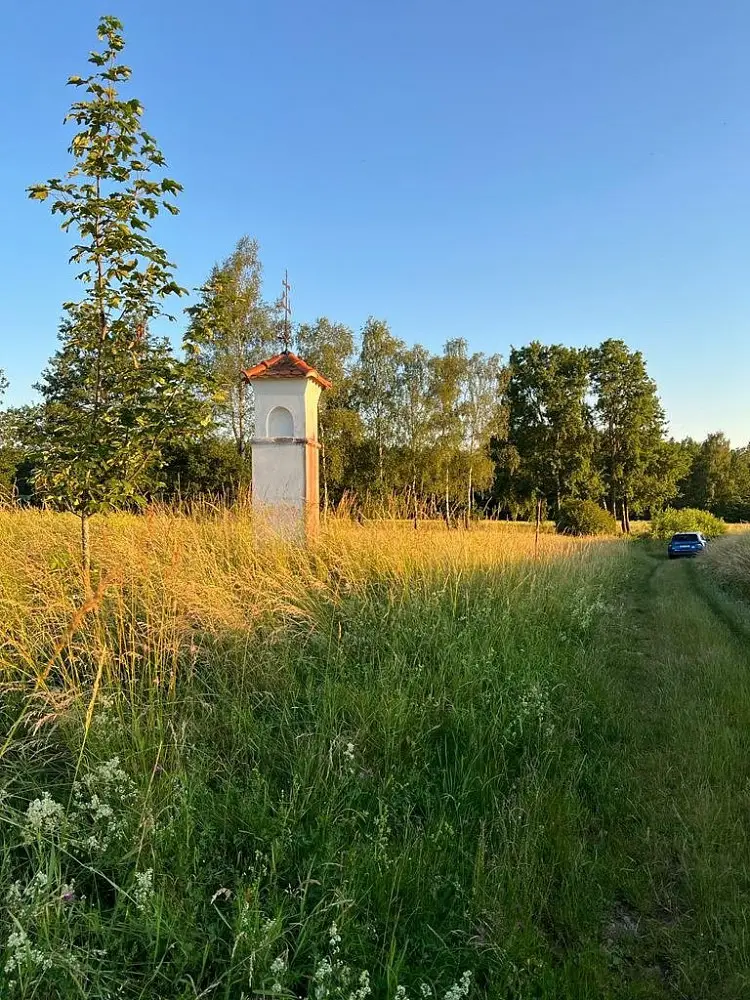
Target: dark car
686,543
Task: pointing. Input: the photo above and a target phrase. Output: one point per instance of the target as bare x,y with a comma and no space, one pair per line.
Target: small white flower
278,968
143,891
364,989
21,952
461,989
334,938
43,816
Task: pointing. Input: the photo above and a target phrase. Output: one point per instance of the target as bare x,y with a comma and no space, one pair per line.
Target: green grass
534,772
683,682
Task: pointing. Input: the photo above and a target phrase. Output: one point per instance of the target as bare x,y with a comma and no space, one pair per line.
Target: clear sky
567,170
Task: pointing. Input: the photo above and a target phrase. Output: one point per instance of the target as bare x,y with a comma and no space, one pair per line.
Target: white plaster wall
279,474
279,464
299,396
271,392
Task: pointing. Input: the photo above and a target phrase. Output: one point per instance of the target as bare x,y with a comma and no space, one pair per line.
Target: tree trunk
470,498
626,515
241,399
538,522
86,553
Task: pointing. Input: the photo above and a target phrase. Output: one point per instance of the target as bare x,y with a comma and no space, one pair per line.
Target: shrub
669,521
585,517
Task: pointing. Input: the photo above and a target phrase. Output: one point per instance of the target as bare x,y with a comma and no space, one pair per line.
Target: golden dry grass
164,578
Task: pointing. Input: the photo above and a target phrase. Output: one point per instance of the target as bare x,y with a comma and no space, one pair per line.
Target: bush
585,517
669,521
204,468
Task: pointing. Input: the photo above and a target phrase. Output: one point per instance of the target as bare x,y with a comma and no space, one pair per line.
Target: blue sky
567,170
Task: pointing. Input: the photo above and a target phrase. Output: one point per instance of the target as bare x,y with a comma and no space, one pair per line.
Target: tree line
123,418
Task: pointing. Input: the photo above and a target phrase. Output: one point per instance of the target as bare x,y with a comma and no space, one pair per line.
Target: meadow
729,565
396,764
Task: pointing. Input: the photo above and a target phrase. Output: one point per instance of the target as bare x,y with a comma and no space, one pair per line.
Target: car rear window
685,537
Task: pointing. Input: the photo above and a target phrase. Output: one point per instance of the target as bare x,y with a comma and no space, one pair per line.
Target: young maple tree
112,393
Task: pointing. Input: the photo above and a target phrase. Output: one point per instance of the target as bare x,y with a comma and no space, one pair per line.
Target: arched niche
280,423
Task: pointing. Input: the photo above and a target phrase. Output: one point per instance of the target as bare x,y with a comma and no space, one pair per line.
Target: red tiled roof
285,365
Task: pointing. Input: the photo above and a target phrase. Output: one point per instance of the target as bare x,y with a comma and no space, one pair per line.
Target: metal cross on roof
286,331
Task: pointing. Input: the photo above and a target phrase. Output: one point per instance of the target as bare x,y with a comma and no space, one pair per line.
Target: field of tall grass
243,769
728,563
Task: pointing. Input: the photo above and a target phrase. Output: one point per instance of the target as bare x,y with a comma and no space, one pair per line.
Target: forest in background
409,430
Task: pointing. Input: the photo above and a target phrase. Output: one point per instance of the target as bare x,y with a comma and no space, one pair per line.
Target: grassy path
682,677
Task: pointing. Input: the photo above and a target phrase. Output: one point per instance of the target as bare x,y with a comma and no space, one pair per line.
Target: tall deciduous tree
376,389
659,482
630,421
110,393
719,479
329,347
231,328
416,417
448,378
550,435
20,436
484,417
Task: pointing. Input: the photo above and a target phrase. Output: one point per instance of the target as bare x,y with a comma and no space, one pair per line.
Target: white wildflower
278,968
43,816
96,797
334,938
344,754
38,886
321,979
268,927
364,989
143,890
13,897
460,989
21,953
